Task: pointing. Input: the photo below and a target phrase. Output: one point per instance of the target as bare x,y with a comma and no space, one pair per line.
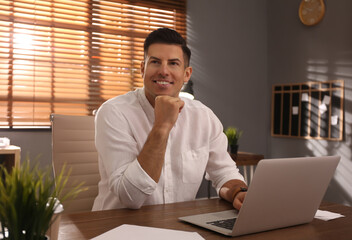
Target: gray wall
229,45
240,48
261,43
296,54
228,40
33,143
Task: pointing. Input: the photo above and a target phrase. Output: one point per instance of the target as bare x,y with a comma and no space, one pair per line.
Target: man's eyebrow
174,59
154,58
169,60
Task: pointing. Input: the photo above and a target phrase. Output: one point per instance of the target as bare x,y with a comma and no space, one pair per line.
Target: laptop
284,192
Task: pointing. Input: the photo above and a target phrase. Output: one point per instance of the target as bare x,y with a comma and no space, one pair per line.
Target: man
153,146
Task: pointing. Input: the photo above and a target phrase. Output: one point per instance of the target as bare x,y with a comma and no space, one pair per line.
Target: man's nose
164,69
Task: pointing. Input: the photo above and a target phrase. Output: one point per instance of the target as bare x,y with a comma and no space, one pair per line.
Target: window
68,57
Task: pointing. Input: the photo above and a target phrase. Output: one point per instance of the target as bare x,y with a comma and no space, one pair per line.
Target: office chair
73,145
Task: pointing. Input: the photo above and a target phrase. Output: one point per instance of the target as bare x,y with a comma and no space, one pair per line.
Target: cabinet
10,156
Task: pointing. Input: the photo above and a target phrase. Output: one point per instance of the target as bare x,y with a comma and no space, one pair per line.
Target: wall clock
311,12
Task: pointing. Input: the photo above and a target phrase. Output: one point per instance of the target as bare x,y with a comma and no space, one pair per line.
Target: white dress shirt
196,144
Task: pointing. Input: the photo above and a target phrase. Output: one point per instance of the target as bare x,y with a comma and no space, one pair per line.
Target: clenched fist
166,111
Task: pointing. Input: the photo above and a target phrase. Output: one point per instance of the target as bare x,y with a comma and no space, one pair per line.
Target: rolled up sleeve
132,186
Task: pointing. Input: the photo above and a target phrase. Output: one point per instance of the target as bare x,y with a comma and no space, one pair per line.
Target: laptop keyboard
226,223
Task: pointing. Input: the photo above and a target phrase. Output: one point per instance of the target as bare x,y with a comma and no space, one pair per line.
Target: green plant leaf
233,135
28,199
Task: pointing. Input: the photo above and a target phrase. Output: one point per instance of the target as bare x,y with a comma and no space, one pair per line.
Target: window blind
68,57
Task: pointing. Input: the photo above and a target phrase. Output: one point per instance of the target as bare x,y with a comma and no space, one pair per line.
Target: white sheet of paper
322,108
134,232
295,110
334,120
326,100
326,215
305,97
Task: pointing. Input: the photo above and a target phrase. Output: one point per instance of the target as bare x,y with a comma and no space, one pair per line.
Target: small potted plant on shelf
29,197
233,135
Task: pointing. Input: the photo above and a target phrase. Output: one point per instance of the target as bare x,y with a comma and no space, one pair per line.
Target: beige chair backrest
73,145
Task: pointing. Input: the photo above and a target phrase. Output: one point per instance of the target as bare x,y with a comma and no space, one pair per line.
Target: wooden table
245,159
87,225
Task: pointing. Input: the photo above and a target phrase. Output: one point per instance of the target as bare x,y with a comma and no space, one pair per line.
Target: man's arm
230,192
122,162
151,158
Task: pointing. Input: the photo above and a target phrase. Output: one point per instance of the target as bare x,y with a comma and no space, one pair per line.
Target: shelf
310,110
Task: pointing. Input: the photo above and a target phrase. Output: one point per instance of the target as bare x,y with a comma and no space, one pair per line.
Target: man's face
164,71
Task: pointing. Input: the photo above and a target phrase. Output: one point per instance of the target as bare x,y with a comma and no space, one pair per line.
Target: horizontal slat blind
67,57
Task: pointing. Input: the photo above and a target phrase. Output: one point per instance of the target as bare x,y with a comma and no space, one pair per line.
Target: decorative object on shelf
309,110
233,135
29,197
4,142
311,12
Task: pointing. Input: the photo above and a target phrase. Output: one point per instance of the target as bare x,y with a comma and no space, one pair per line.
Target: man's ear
142,68
187,74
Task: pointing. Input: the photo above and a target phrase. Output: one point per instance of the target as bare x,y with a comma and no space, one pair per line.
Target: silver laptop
284,192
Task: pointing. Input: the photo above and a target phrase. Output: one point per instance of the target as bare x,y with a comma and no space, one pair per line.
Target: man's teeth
162,82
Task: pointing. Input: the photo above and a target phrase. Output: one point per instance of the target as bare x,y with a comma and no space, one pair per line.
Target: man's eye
154,62
175,63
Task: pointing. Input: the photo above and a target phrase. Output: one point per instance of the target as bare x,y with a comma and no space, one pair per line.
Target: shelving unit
311,110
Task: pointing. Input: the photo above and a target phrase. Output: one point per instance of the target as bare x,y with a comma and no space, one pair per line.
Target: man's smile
161,82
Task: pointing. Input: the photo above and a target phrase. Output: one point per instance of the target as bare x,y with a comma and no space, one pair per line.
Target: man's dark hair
168,36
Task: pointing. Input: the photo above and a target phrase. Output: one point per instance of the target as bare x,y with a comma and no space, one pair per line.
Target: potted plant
233,135
28,199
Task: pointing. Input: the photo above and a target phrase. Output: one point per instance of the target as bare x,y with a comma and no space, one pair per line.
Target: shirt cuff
136,175
228,178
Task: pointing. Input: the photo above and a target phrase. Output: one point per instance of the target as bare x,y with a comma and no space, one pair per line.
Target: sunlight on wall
322,70
317,69
317,148
198,71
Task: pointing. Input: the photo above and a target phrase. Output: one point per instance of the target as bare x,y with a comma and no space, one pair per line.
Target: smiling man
164,71
153,146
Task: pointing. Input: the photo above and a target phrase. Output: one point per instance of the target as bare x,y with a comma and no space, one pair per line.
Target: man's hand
166,111
238,200
230,191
